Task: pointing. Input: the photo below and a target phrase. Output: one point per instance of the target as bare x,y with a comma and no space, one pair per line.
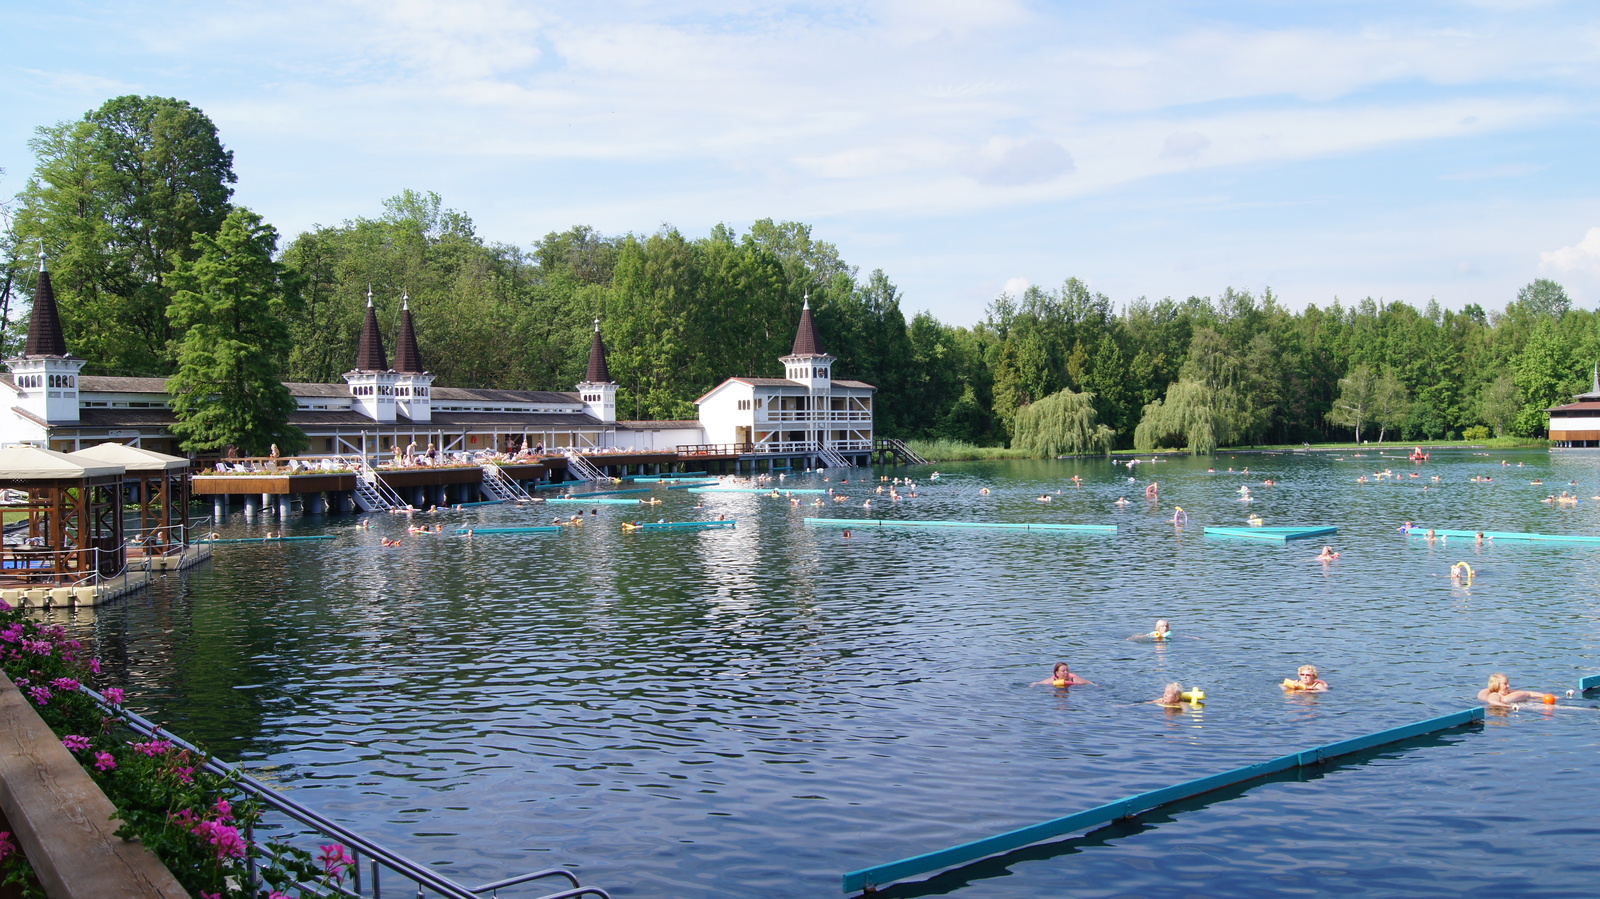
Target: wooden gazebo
74,518
159,485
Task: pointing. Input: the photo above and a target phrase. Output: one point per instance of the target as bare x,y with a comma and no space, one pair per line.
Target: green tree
1499,403
1357,392
1187,418
230,304
116,200
1391,406
1062,423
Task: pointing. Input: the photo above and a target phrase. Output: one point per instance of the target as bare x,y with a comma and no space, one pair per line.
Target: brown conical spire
598,372
805,338
44,325
406,357
370,356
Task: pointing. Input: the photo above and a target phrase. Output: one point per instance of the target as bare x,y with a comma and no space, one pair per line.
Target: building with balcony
1578,422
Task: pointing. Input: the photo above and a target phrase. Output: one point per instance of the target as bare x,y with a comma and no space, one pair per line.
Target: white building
1578,422
805,411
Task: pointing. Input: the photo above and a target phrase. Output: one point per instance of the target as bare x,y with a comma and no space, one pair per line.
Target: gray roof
784,382
656,425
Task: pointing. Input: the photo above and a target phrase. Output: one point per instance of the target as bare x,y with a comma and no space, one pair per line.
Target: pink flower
223,810
277,895
223,836
4,606
153,748
75,743
41,695
104,762
12,634
65,684
334,860
94,665
206,895
6,846
113,695
185,775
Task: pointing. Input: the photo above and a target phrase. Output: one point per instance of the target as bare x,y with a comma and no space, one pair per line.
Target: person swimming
1500,694
1327,555
1162,633
1121,501
1308,681
1062,676
1171,697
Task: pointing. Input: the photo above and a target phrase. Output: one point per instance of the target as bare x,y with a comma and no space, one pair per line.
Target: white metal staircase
906,455
582,469
372,494
502,488
831,458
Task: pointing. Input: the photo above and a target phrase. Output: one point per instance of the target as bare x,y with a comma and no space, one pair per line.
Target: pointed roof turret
599,373
370,356
406,357
805,337
44,324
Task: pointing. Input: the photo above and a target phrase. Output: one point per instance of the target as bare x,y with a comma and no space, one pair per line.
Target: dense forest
122,199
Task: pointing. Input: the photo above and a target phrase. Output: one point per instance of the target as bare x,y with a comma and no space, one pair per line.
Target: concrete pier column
316,504
252,505
285,506
441,496
219,508
347,501
418,498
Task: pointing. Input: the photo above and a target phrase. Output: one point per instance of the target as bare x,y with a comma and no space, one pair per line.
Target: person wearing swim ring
1308,681
1171,697
1499,692
1161,634
1063,677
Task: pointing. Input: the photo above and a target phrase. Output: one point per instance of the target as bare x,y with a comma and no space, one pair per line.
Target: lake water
754,712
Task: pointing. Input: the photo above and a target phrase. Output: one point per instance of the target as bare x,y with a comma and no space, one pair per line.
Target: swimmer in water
1308,681
1328,555
1044,497
1063,677
984,491
1499,692
1161,634
1255,521
1121,501
1171,697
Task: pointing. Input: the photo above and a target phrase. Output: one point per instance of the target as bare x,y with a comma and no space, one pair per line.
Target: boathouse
1578,423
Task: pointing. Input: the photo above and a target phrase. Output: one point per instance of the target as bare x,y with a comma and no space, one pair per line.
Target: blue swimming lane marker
879,875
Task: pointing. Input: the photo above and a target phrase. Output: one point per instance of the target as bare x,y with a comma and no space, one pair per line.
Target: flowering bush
197,822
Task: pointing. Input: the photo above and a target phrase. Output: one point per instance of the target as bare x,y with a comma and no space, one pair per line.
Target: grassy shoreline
957,451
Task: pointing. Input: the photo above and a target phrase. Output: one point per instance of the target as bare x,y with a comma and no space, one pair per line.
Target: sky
1326,150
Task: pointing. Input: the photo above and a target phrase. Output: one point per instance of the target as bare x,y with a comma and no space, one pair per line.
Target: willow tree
1063,423
1187,418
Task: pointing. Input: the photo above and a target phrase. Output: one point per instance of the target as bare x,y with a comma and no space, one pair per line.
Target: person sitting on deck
1500,694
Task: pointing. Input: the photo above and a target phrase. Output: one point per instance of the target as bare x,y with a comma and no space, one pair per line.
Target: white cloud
1016,286
1010,162
1584,256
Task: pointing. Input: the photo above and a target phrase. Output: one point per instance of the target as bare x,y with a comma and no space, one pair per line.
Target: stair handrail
504,488
586,470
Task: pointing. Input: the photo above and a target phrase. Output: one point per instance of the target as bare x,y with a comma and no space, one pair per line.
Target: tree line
158,273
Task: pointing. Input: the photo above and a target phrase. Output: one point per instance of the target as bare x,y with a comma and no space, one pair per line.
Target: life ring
1193,695
1461,569
1179,516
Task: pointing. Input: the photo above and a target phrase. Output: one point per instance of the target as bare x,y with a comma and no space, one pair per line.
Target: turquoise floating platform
584,501
690,485
651,478
266,539
681,525
781,490
487,502
1279,535
462,532
877,876
1008,526
1505,535
611,492
1589,683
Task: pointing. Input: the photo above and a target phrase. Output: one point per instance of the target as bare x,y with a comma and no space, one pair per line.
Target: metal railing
818,415
902,452
377,856
42,566
371,493
831,458
583,468
502,488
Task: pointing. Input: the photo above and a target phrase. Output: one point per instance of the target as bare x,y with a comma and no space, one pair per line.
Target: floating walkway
663,478
1505,535
877,876
690,485
1279,535
680,525
996,525
543,529
582,501
782,491
603,493
1589,683
266,539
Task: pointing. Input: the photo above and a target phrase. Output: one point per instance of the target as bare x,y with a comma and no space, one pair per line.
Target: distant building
45,402
1578,422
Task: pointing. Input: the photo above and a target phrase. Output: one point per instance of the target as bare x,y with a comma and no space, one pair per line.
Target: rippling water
753,712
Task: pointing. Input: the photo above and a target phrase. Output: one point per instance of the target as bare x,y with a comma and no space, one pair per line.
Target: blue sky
1402,151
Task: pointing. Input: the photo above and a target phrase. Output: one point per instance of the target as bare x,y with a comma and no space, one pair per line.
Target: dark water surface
753,712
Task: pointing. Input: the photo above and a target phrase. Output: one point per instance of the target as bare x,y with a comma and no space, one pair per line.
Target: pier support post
316,504
347,501
219,508
285,506
252,505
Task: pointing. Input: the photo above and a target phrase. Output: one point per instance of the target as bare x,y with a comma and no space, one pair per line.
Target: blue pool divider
1589,683
585,501
1279,535
1001,525
654,478
785,491
544,529
487,502
612,492
682,525
1505,535
266,539
879,875
690,485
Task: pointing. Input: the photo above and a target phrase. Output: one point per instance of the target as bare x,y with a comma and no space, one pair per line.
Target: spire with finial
370,356
44,323
406,356
599,372
805,337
